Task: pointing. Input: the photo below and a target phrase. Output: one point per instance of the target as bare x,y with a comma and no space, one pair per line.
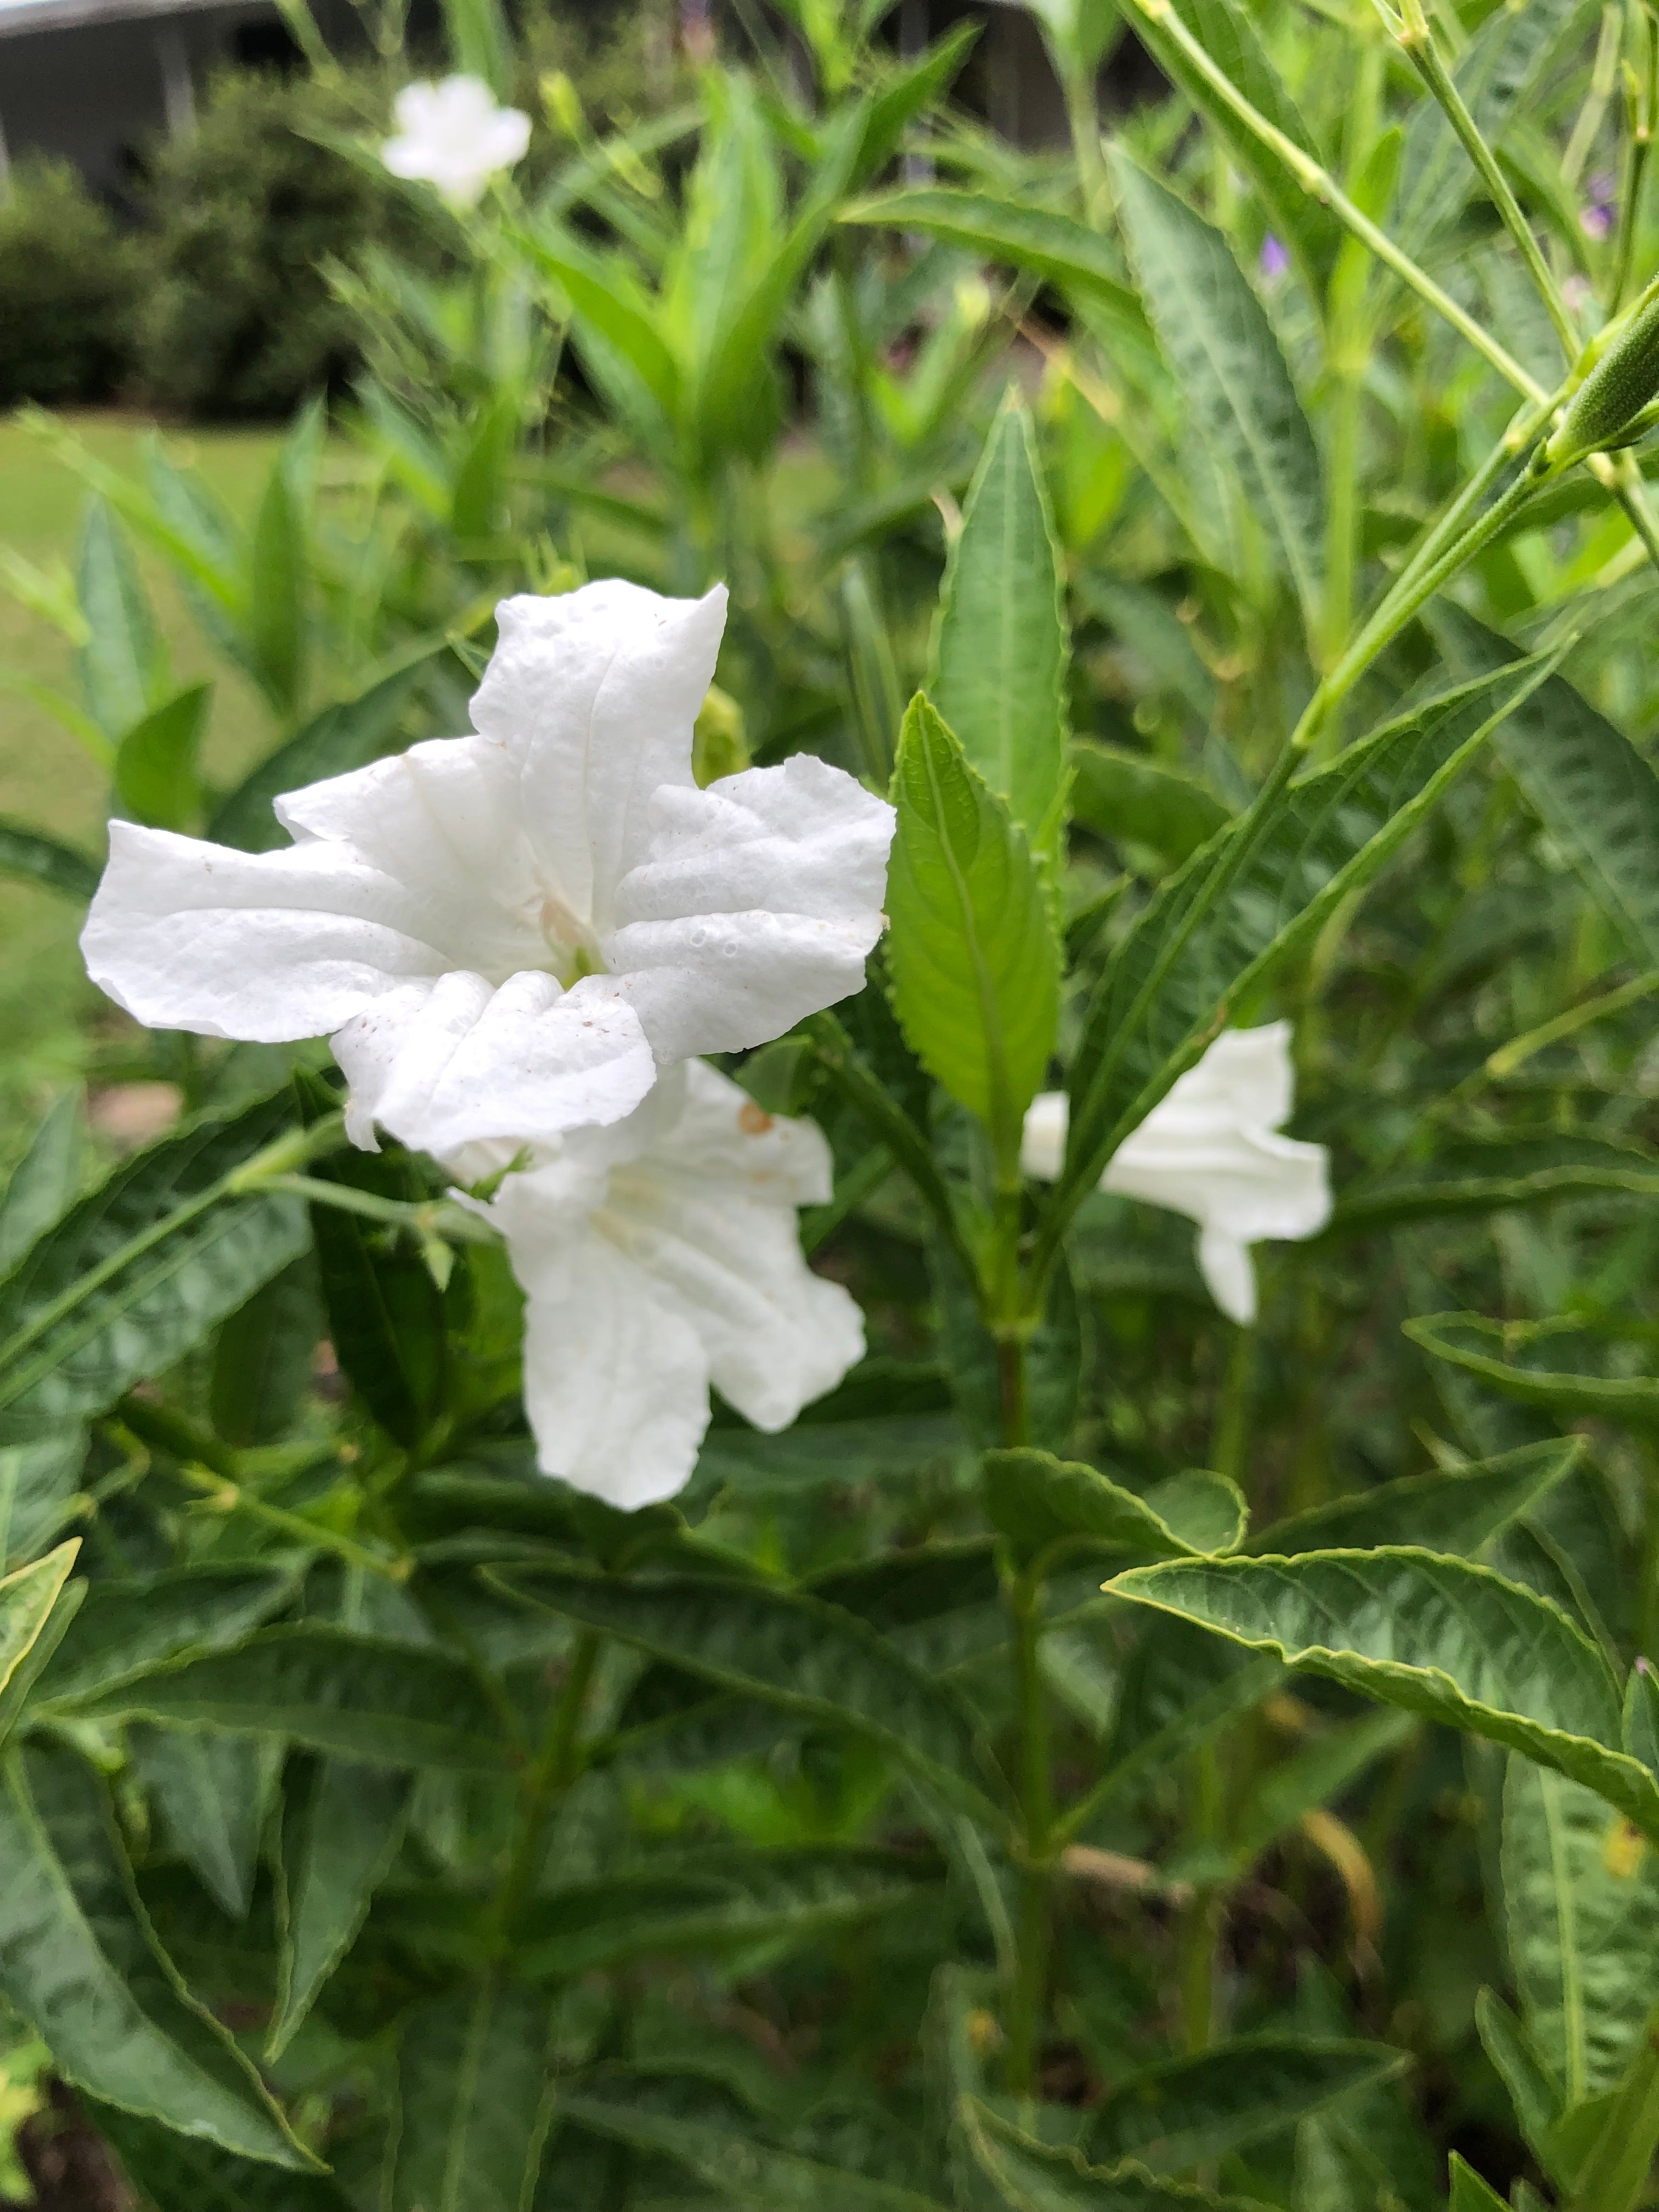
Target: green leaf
173,2171
1536,2098
1640,1721
1184,2112
910,91
1525,1360
1319,1770
156,763
1030,2176
79,1961
262,1362
1121,794
713,1902
1580,1909
1468,2193
475,2097
1229,38
1439,1637
1037,1500
140,1271
1453,1510
1055,1355
27,1599
1260,891
138,1621
1052,246
341,1832
44,1182
213,1792
1001,646
346,735
37,1492
361,1698
972,951
1223,355
277,578
476,508
1596,794
480,46
1488,1176
690,2120
616,326
786,1648
36,859
123,662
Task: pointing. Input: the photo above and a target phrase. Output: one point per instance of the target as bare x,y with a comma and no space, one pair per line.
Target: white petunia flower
657,1257
506,935
1211,1149
453,136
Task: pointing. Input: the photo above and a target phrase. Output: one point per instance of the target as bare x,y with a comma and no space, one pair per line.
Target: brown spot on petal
754,1120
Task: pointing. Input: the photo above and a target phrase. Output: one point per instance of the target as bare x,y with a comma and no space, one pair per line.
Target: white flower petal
758,904
267,946
453,136
1248,1075
616,1380
1229,1273
594,695
1043,1141
454,1062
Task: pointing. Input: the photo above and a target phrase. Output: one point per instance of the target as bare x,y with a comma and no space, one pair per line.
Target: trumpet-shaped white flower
657,1257
1211,1149
506,934
453,136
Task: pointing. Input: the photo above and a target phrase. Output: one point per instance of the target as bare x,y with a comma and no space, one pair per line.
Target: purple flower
1275,259
1596,220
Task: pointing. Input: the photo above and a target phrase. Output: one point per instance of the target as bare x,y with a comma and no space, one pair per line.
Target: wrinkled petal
593,696
720,1131
1252,1186
453,1062
1248,1075
758,905
616,1379
1229,1274
1043,1141
267,946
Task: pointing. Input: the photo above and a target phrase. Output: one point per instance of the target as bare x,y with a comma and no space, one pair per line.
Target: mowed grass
48,1010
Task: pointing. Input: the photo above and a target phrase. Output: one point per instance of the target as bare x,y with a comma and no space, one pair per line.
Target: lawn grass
46,779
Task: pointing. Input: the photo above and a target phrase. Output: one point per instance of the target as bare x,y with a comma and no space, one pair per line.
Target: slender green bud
1623,375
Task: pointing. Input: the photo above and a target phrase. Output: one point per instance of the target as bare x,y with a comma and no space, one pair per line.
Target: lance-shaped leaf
1486,1178
1533,2091
1440,1638
139,1271
1596,794
359,1697
342,1826
1229,36
713,1902
1028,2175
173,2169
1259,891
1552,1363
78,1960
703,2128
475,2098
1223,355
1454,1510
155,764
1001,647
35,858
1037,1500
29,1599
136,1622
122,664
37,1492
1121,794
1184,2112
45,1180
972,951
786,1648
213,1793
1581,1913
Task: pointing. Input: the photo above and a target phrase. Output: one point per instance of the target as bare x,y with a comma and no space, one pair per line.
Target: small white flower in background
1211,1149
453,136
506,935
660,1256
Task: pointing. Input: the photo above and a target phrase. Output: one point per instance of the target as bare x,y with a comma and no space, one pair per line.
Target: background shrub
68,285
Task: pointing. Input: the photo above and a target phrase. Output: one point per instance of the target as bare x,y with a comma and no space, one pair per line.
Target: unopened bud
563,103
973,300
1623,378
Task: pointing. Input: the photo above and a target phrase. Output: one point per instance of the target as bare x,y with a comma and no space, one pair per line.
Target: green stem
1318,182
556,1766
1229,1445
1604,75
1037,1812
1417,41
424,1217
1198,1928
1636,163
1083,117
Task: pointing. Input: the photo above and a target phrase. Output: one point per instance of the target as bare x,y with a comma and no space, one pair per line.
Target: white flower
506,934
453,136
1211,1149
657,1257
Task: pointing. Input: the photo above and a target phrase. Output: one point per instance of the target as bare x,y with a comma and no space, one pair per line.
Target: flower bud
562,104
1624,378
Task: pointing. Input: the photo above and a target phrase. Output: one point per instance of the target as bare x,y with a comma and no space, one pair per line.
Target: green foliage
69,284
